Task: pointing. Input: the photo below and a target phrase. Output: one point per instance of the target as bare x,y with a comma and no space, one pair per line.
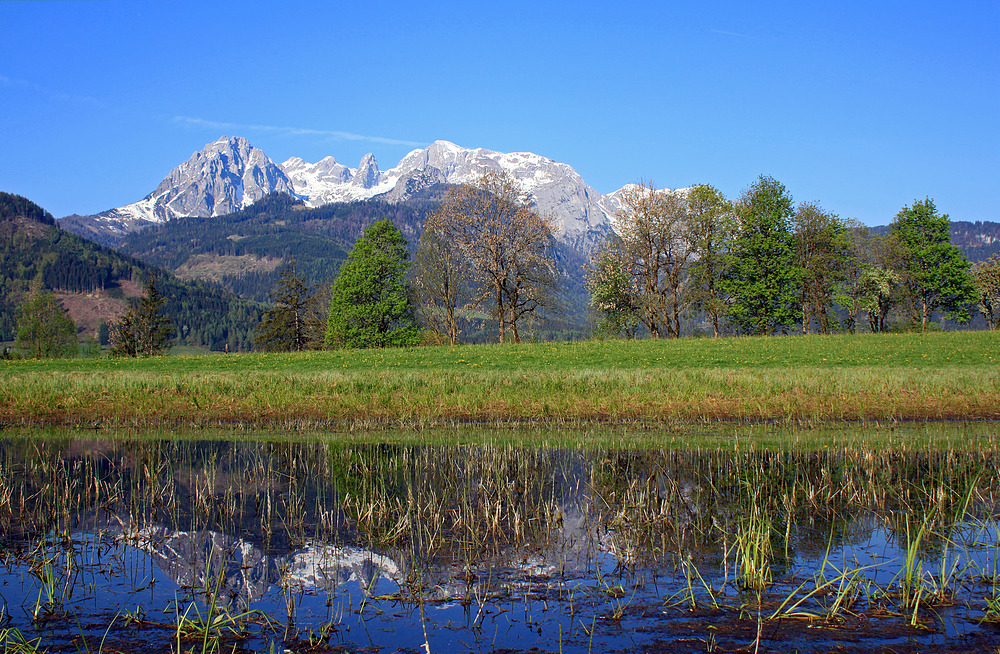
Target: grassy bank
820,378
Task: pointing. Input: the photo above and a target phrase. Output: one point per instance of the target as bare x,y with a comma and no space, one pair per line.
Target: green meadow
810,379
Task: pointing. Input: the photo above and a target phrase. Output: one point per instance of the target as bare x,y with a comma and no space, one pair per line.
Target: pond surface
132,545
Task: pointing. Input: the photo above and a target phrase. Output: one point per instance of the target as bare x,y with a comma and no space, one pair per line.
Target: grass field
933,376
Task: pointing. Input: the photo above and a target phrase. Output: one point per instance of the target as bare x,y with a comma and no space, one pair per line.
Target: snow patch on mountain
555,189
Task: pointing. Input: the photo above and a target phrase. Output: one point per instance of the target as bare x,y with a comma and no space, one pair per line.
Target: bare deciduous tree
507,246
656,249
442,284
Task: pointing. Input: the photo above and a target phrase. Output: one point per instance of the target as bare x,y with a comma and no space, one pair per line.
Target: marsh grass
730,520
15,642
803,379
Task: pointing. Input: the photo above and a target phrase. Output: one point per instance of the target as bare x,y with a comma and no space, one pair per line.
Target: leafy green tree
935,274
294,322
43,328
986,277
823,252
763,278
877,287
370,301
871,282
142,330
712,226
849,293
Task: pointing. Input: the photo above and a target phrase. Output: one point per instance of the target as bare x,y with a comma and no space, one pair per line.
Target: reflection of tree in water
674,504
436,519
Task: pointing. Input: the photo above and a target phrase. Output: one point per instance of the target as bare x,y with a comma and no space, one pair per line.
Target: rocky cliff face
228,175
555,189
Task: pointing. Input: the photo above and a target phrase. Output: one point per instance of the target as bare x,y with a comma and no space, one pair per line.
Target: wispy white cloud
291,131
742,36
52,95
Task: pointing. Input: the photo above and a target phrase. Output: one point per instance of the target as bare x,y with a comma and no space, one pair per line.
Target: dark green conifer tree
142,330
294,322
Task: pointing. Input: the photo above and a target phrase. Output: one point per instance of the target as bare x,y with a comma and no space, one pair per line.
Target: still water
146,544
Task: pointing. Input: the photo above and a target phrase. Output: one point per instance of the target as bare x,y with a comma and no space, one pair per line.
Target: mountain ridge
229,174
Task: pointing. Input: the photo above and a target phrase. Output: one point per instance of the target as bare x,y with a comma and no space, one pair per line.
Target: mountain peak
368,173
232,143
226,175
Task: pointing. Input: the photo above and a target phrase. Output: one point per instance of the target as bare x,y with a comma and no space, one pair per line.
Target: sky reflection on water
482,548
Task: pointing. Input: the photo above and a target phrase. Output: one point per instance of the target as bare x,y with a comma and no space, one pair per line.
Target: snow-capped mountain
580,213
226,176
230,174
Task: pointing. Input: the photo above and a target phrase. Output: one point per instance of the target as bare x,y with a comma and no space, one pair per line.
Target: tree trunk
500,316
452,325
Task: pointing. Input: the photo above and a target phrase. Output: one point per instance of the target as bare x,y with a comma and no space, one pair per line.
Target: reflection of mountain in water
246,518
199,559
250,567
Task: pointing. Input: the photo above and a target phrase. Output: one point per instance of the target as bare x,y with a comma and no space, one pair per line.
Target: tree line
485,260
755,265
762,265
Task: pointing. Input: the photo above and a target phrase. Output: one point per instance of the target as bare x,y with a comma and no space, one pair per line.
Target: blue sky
861,107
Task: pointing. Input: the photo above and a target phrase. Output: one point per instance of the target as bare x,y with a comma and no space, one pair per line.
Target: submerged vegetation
885,377
313,544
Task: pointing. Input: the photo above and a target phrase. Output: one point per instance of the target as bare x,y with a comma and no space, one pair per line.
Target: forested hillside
979,240
243,252
95,282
